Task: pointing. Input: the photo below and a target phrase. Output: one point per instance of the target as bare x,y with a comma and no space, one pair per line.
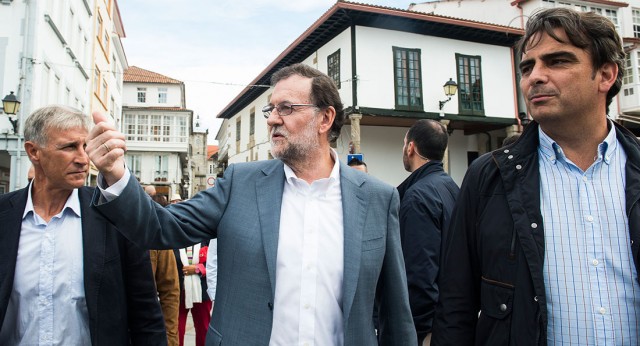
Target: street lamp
524,119
11,105
450,88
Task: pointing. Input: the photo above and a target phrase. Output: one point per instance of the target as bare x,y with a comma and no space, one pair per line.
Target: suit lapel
11,221
354,206
269,190
94,233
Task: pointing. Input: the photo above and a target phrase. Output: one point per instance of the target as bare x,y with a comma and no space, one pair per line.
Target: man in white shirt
66,277
305,244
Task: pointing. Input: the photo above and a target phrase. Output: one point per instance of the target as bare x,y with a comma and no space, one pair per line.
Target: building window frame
407,79
162,94
142,95
333,67
470,90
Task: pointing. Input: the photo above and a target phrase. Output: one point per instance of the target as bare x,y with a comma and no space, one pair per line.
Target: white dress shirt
47,304
310,263
212,268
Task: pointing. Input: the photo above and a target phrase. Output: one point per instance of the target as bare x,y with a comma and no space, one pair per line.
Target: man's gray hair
57,117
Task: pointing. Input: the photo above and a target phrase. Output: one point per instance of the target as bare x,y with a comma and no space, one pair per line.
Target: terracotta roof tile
139,75
211,150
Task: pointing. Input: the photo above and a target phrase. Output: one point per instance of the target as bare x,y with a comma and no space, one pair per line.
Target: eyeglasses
284,108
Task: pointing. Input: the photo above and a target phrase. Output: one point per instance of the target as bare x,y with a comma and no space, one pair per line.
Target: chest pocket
494,322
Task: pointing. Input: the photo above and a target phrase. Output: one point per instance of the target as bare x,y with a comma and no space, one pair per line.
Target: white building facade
625,108
45,58
157,128
390,66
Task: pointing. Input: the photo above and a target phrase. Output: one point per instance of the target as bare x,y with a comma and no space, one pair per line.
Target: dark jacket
119,289
427,198
493,253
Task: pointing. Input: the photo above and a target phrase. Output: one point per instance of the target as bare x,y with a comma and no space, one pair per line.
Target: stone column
445,158
355,131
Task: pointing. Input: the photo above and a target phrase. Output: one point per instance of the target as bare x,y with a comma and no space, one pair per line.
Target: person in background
544,243
306,244
427,198
510,140
358,164
67,277
150,190
194,297
165,273
175,198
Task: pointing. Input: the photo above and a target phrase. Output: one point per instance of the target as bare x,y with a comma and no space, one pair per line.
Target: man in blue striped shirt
543,248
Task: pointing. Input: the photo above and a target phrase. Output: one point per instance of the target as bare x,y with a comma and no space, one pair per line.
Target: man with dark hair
358,164
305,243
545,238
66,276
427,198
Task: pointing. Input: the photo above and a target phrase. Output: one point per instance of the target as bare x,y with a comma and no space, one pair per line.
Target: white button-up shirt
47,304
310,263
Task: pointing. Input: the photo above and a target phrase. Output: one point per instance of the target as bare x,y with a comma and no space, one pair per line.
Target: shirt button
602,311
589,218
585,179
506,151
510,157
534,225
503,307
518,166
535,299
595,262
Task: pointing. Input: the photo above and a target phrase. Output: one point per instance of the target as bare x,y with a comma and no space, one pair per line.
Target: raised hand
106,148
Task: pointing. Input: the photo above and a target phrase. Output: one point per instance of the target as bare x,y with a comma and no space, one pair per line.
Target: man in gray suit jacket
305,244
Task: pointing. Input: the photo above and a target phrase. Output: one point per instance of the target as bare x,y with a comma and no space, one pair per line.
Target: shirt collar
293,179
553,152
73,203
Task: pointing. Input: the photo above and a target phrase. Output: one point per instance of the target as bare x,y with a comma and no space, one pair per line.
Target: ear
328,116
608,74
33,151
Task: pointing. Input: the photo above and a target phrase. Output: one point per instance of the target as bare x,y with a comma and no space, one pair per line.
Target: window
636,22
407,78
613,16
238,127
162,168
96,80
162,95
142,95
333,67
155,128
470,95
100,29
133,163
104,91
252,121
628,70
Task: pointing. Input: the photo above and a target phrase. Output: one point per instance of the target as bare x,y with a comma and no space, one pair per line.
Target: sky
216,47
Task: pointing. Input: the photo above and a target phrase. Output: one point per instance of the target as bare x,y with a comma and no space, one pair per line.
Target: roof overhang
600,2
344,14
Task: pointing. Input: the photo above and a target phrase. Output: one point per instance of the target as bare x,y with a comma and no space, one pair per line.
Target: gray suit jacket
243,212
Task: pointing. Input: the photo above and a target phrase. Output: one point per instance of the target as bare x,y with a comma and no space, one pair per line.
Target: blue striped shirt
590,279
